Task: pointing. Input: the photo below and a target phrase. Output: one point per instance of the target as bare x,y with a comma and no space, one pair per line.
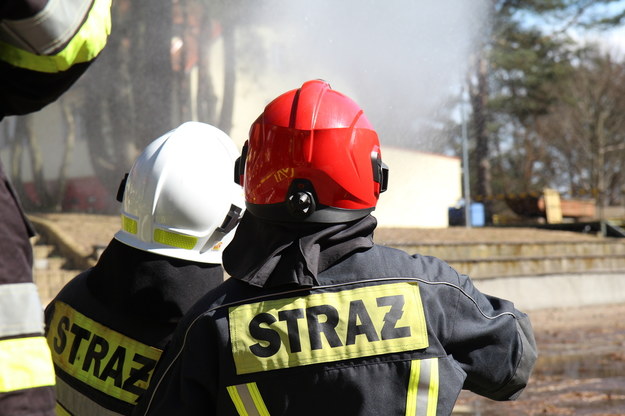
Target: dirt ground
581,366
580,369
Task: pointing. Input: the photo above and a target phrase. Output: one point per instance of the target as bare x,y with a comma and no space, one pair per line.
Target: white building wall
422,186
49,131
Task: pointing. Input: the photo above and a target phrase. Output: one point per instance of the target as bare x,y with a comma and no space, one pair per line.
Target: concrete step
48,263
557,290
49,270
455,251
483,268
42,250
50,281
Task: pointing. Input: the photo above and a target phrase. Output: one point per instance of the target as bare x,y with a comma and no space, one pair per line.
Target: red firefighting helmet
312,156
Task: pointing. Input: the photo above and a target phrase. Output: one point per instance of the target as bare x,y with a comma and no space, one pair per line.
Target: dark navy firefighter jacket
382,333
108,326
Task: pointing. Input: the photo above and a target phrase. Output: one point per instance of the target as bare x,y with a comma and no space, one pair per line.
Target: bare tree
155,74
47,191
507,15
586,130
70,140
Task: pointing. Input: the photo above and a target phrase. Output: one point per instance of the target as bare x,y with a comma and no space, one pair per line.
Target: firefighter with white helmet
108,326
317,318
178,201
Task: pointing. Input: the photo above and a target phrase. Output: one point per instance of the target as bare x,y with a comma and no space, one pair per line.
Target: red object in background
86,194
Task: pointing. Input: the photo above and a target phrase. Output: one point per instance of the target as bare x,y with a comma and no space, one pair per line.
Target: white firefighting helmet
180,199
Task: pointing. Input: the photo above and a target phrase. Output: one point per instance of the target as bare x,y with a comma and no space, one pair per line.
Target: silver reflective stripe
49,30
247,400
422,393
20,310
77,403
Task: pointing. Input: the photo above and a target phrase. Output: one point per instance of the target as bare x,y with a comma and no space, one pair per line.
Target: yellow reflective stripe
236,400
129,225
413,387
25,363
60,411
100,357
71,402
168,238
258,399
423,384
247,400
20,310
86,44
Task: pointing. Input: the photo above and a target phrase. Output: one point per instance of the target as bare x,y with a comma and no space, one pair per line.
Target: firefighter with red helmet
107,327
316,318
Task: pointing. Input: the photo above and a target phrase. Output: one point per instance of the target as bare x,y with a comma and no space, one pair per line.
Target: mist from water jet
400,60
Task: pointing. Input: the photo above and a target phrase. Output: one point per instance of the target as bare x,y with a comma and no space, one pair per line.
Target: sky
612,40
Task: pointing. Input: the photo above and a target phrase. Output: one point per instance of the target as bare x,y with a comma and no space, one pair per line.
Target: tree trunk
108,111
227,105
36,161
479,100
17,152
70,140
207,101
152,75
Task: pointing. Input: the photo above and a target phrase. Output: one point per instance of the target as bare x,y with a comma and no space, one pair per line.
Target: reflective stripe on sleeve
20,310
25,363
71,402
248,400
47,30
60,411
422,397
85,44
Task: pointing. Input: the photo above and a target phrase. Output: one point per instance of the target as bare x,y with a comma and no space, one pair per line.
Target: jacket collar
267,254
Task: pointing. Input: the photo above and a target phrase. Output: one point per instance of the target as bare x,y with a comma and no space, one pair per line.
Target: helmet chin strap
239,165
122,188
